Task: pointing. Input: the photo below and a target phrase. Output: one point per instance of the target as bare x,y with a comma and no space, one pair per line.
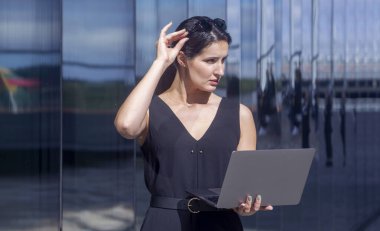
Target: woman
187,132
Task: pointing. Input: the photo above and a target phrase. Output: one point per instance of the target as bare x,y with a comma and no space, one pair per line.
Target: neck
183,91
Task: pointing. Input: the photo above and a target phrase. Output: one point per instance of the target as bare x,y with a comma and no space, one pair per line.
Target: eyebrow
216,57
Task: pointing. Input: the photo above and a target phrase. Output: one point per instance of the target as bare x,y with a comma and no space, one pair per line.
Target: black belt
193,205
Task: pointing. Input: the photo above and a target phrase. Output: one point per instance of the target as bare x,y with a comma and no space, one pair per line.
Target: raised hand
166,53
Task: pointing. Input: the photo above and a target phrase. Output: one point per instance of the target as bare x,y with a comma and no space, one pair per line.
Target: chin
210,89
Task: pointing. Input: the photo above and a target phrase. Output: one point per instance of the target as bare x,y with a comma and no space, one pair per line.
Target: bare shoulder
245,113
247,129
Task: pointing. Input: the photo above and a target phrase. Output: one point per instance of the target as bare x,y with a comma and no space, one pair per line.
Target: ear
181,59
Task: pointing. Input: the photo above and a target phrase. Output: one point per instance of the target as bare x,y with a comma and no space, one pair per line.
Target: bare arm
247,130
132,118
248,142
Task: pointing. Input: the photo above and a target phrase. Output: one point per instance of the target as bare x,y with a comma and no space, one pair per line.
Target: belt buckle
189,205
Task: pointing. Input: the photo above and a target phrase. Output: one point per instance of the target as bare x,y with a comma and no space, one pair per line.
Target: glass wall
98,73
30,58
308,70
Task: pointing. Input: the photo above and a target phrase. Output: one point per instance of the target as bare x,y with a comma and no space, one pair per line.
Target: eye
211,61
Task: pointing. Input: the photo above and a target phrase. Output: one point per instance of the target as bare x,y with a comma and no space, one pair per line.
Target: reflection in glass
29,114
212,9
98,72
101,61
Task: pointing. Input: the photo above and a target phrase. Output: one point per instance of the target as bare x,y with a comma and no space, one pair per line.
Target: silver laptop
278,175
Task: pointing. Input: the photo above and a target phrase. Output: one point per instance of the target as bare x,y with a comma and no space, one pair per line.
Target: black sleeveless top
174,161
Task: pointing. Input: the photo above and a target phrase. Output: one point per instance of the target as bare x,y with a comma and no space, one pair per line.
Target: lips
214,82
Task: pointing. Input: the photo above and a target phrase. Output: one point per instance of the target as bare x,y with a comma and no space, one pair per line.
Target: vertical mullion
61,121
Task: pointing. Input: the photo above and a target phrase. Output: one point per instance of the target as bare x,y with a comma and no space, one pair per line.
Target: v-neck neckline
183,126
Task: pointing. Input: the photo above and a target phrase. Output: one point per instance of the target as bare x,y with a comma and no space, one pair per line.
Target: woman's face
207,68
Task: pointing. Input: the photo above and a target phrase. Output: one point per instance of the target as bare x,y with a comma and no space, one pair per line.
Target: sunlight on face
206,69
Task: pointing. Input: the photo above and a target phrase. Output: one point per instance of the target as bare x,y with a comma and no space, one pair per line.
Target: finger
242,205
248,204
257,204
240,210
180,44
178,34
266,208
165,29
169,39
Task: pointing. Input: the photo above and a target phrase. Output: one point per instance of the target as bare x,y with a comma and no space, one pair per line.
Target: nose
219,69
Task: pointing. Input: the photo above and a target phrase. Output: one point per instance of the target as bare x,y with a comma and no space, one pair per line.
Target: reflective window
30,55
98,72
308,70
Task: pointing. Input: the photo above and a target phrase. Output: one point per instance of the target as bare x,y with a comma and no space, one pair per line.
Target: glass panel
98,73
30,59
232,74
147,32
149,28
339,64
266,75
339,56
179,13
248,53
212,9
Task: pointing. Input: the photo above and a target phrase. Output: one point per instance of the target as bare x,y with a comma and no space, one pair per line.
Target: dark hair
203,31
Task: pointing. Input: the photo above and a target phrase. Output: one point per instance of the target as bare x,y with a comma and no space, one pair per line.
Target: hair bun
220,23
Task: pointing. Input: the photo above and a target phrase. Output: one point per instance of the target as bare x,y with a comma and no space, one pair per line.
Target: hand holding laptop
249,207
282,185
